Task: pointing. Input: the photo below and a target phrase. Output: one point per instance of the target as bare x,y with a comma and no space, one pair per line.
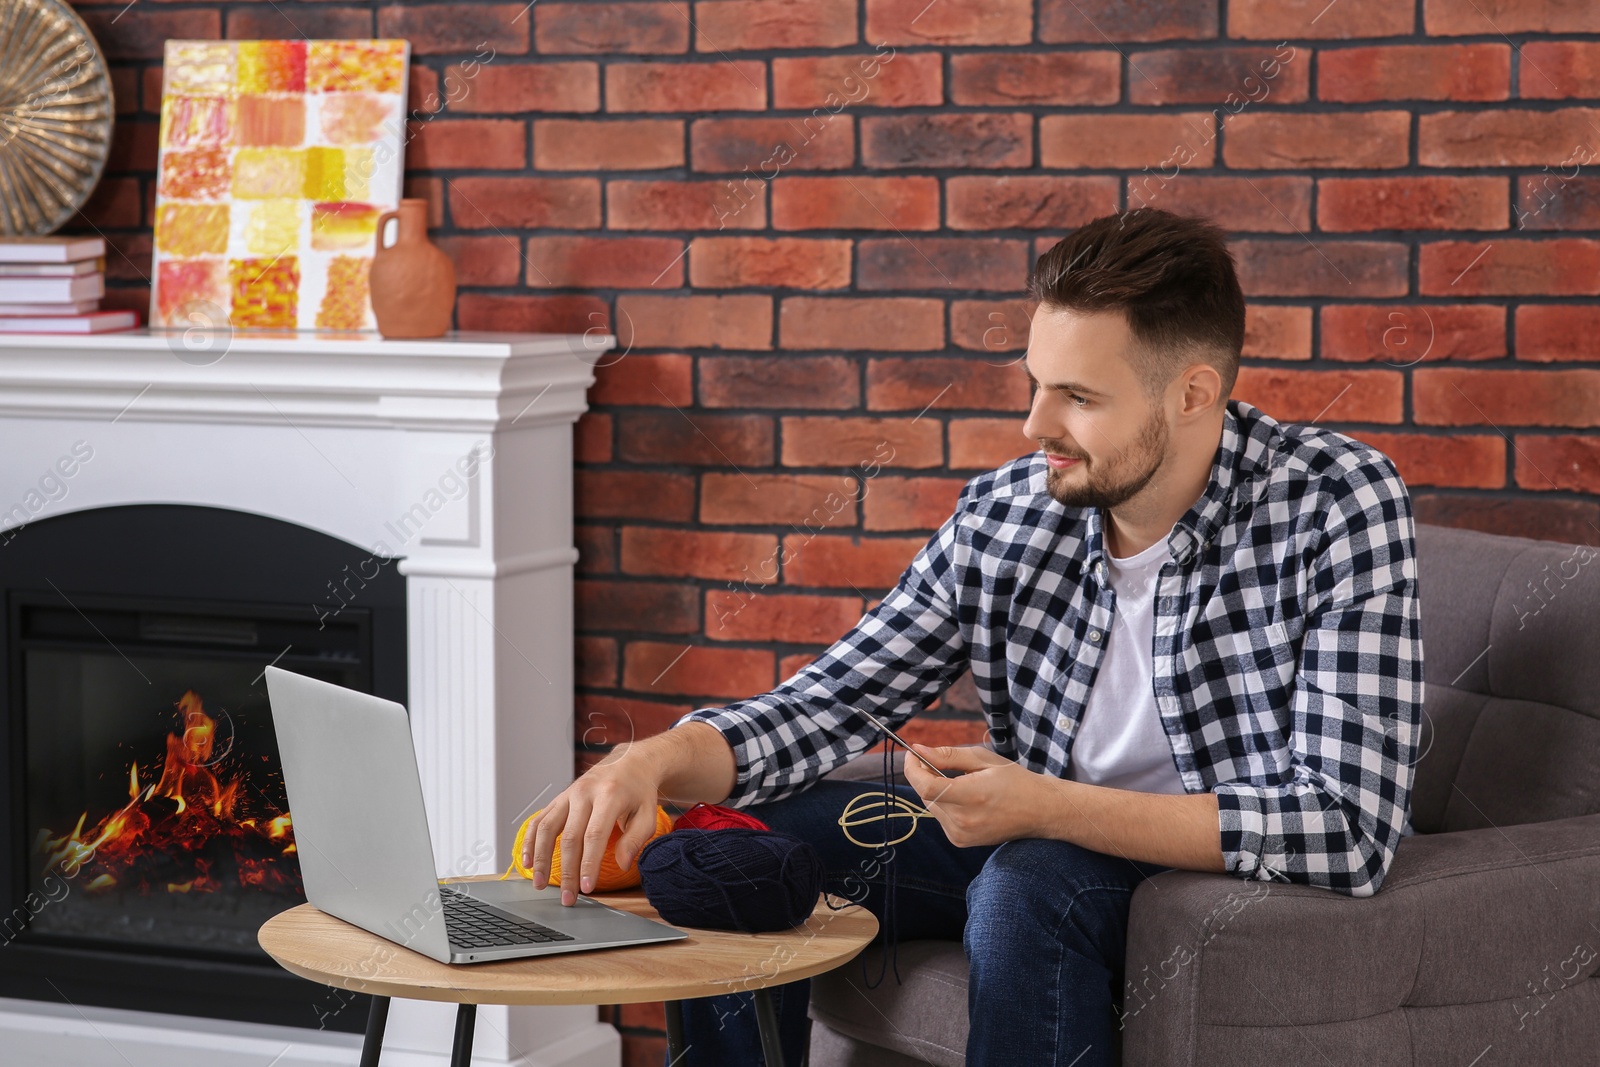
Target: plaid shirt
1287,649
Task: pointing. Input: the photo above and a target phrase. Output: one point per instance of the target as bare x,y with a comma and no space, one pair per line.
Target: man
1195,634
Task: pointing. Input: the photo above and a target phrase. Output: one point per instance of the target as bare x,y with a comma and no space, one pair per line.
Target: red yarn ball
716,817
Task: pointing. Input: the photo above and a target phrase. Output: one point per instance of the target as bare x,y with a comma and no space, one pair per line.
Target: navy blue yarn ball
734,878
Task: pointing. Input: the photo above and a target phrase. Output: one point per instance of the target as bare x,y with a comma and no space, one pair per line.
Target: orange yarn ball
611,876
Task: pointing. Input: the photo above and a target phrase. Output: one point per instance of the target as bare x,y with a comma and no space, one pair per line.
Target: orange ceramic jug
412,281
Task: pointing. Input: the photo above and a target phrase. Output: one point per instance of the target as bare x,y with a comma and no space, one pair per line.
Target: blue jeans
1044,925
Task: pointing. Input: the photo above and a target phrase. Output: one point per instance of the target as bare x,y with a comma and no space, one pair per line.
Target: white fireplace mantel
454,454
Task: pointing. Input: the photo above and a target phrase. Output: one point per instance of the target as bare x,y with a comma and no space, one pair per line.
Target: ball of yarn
611,876
734,879
705,816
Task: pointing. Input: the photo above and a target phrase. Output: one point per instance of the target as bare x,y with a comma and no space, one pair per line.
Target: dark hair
1171,275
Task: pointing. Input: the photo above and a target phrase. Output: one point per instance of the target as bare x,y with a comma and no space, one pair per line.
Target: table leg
767,1021
675,1047
377,1018
466,1017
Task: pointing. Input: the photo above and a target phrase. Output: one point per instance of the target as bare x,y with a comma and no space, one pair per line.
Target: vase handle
383,220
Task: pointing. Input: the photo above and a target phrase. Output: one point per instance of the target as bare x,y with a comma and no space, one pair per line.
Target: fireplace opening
145,834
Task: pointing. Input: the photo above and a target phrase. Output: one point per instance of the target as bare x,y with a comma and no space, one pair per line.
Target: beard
1121,477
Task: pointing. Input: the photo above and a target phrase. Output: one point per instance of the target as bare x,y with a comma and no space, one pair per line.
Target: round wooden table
315,945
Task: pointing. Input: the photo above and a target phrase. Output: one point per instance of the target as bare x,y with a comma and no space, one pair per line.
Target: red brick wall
816,303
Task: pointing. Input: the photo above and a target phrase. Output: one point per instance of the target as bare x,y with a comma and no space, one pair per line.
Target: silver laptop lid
355,797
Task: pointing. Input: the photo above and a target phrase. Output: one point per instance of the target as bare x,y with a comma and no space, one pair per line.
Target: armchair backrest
1511,673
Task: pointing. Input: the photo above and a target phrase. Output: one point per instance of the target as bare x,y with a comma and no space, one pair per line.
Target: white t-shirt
1120,742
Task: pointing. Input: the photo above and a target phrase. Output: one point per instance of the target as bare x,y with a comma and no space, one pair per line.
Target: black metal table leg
466,1018
675,1049
377,1018
767,1021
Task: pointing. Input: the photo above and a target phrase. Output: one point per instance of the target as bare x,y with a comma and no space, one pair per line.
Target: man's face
1103,438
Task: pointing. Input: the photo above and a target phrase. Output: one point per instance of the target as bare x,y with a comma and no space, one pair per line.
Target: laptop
361,833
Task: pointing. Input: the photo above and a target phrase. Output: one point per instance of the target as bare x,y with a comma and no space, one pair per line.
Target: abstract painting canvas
276,159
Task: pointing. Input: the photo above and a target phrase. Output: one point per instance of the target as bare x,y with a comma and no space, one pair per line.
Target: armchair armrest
1484,917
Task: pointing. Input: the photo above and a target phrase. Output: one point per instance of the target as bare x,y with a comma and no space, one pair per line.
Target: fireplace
147,835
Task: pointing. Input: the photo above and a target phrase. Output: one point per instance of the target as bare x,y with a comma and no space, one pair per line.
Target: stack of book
54,285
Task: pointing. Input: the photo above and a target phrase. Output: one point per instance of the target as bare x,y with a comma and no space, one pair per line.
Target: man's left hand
994,800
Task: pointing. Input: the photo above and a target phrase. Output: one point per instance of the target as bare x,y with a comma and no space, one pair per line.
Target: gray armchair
1481,947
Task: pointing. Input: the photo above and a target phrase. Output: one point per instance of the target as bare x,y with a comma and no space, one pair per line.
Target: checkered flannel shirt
1287,649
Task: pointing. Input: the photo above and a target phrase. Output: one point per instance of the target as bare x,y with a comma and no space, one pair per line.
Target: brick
483,260
730,557
802,203
903,79
815,501
1462,461
1556,200
738,25
936,384
1327,268
605,29
134,147
431,190
1560,462
422,90
644,380
125,89
1554,332
789,618
965,139
992,326
1240,76
1272,331
950,22
789,666
1448,396
1558,70
1407,335
1279,19
151,84
726,85
671,668
762,147
982,444
1569,521
531,314
787,262
1011,78
605,262
606,720
937,262
115,204
617,144
1504,138
524,203
643,1050
444,29
1557,267
813,383
636,607
1323,396
319,22
596,662
460,144
900,324
633,495
1467,203
650,321
1262,204
684,205
1096,21
980,202
142,33
910,503
1187,139
502,88
1415,72
821,441
127,298
1333,140
128,256
701,440
591,438
1461,17
597,549
826,561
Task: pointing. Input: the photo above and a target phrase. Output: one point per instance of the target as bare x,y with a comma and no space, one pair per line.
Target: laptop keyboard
473,924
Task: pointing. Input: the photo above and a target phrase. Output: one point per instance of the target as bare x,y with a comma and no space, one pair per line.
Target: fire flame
186,817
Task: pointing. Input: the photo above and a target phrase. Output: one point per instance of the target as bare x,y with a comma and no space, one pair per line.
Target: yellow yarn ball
611,876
